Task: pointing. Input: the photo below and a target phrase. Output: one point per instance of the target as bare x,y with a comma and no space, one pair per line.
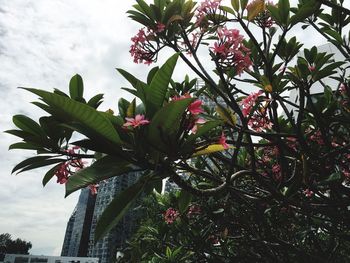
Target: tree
13,246
243,153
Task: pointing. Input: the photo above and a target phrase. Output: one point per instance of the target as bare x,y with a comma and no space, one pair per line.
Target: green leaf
76,87
334,34
117,209
164,126
284,8
139,17
146,9
130,112
48,176
235,5
123,105
185,199
79,112
95,101
25,146
31,161
334,177
275,13
304,12
244,4
137,84
156,91
28,125
151,74
102,169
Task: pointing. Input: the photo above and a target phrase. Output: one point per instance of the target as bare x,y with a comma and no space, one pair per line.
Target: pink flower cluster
142,49
308,193
316,136
249,102
258,120
230,51
268,163
170,215
206,8
139,120
69,167
195,108
193,211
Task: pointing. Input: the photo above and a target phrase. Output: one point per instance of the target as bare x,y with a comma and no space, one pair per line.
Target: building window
21,259
38,260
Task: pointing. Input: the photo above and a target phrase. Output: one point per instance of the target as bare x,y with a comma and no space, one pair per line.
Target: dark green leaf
185,199
165,124
25,146
117,209
156,91
76,87
151,74
82,113
102,169
28,125
30,161
284,8
50,174
95,101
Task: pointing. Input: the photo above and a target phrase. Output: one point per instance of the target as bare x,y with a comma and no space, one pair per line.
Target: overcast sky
42,44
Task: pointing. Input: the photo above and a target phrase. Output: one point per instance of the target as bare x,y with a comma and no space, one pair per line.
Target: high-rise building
78,227
106,248
68,234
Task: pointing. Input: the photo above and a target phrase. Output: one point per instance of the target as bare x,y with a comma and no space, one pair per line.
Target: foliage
13,246
258,152
215,230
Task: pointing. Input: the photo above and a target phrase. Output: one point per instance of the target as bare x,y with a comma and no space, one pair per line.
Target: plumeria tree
258,152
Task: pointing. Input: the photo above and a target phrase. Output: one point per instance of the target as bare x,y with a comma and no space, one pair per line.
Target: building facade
14,258
106,248
79,225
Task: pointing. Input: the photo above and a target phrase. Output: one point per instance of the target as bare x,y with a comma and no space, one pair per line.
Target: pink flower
62,173
171,215
195,124
230,50
207,7
343,88
222,141
317,137
276,169
193,210
311,68
220,49
249,102
139,120
308,193
93,188
142,49
195,107
185,96
160,27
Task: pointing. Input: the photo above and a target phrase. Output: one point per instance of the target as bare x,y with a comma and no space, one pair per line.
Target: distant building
68,235
15,258
106,248
78,227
